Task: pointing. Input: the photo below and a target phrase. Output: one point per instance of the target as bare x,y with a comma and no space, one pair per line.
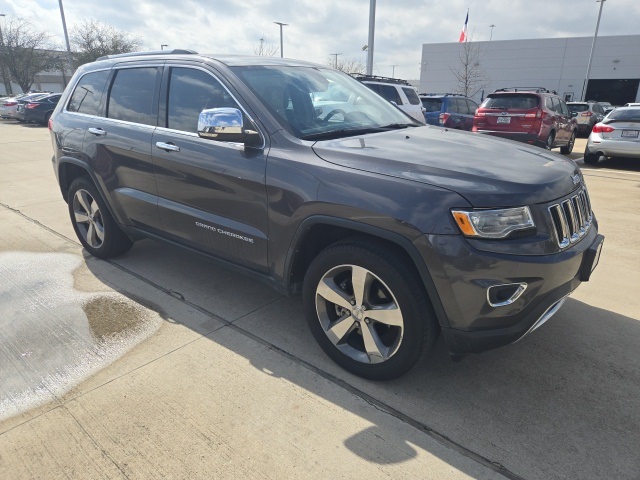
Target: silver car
587,114
618,135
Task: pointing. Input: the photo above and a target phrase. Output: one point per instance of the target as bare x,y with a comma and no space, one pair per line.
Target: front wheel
96,229
569,147
368,310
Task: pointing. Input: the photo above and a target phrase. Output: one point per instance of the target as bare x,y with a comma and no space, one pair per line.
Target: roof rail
526,89
376,78
175,51
441,94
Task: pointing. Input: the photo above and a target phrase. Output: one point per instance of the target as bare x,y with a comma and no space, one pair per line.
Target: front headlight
493,223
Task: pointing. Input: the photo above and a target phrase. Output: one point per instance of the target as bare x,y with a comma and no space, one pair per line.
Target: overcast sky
318,28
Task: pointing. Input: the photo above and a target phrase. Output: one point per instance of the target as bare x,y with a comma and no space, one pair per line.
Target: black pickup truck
303,177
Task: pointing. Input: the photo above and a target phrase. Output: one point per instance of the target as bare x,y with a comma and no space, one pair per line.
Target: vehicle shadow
562,403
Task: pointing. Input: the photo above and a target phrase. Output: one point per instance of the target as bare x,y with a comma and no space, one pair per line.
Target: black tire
96,229
401,335
549,143
566,150
591,158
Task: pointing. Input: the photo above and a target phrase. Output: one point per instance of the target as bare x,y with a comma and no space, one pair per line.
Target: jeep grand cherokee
392,232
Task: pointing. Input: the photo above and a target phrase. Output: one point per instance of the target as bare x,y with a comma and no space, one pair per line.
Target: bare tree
93,39
265,49
348,65
25,52
469,74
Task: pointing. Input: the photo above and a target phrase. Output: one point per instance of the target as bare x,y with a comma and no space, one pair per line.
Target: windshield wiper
394,126
340,133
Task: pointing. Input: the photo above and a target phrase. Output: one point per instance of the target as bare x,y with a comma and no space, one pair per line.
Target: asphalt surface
159,364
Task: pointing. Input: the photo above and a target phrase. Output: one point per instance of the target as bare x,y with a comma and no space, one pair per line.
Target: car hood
487,171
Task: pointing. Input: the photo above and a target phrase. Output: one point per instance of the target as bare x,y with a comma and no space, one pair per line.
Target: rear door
118,144
212,194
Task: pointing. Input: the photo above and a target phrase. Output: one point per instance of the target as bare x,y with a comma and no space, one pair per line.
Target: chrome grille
571,218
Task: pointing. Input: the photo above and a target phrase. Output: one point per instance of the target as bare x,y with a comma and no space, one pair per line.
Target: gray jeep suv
392,231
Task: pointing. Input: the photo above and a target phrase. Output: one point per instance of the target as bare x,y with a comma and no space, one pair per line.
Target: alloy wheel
88,218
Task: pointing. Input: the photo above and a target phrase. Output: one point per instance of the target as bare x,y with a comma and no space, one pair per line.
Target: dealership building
558,64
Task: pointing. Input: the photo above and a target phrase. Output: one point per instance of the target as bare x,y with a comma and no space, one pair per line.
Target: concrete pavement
226,382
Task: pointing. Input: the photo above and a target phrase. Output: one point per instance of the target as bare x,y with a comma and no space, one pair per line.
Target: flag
463,33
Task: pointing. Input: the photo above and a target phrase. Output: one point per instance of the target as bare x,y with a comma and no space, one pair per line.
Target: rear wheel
368,310
96,229
569,147
549,143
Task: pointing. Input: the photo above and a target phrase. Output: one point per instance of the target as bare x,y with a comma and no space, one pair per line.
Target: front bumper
463,276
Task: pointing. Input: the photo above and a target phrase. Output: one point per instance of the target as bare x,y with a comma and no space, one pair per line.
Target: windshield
624,115
432,104
317,103
515,101
578,107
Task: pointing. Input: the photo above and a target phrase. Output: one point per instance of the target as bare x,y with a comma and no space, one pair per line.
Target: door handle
169,147
97,131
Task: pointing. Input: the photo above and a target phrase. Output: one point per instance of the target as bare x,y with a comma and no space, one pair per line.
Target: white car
399,92
618,135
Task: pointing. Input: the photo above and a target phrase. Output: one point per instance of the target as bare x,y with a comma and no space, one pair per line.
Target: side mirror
226,125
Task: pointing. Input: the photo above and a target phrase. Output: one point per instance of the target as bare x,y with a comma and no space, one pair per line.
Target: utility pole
593,47
492,26
281,25
393,71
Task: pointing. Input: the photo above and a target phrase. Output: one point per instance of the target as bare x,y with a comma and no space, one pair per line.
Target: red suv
532,115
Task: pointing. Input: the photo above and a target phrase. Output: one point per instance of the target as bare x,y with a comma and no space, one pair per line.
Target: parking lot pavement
231,383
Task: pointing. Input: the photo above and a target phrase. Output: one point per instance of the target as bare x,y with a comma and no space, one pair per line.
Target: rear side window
472,106
515,101
432,104
132,95
88,92
389,92
412,96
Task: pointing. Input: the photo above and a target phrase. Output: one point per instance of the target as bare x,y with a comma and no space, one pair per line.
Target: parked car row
30,108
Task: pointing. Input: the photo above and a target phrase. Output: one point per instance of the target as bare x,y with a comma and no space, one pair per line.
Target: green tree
93,39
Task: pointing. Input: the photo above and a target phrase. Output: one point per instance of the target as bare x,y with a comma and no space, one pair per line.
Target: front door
212,194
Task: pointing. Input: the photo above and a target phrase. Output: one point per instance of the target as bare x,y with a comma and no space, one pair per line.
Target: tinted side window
411,95
390,93
132,95
563,108
549,103
190,92
87,94
472,106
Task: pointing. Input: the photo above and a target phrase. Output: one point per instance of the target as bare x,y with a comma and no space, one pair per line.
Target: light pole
593,46
281,25
335,63
163,45
66,38
3,70
393,71
372,27
492,26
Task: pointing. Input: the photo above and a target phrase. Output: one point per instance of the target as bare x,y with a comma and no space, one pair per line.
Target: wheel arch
318,232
